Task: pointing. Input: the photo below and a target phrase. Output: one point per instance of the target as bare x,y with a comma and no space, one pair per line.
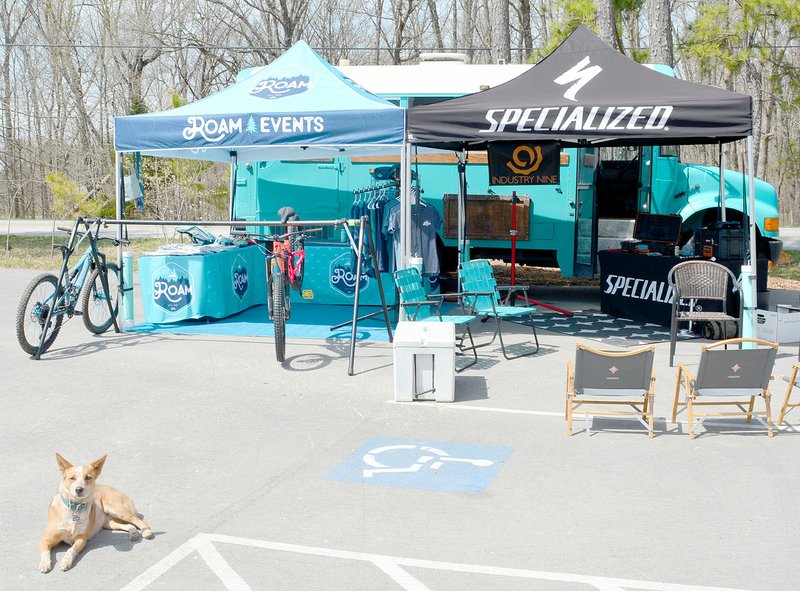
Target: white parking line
578,416
391,565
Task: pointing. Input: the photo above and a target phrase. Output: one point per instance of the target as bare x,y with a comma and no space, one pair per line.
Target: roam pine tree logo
172,287
342,275
282,84
239,276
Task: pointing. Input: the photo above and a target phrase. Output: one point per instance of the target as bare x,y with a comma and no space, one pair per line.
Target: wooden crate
488,217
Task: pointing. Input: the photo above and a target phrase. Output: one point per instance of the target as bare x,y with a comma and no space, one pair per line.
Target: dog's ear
97,465
63,465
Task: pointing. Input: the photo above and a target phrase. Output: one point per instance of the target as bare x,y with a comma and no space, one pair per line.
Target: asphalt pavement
252,474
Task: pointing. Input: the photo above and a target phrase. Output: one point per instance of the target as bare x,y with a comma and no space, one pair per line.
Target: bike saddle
288,214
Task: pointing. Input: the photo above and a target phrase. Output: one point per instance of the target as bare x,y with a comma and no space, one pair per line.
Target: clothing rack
378,187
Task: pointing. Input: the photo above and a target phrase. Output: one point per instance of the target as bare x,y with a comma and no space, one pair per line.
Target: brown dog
81,509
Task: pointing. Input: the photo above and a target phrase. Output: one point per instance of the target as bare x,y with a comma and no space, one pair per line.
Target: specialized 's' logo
525,159
240,282
172,288
580,74
280,85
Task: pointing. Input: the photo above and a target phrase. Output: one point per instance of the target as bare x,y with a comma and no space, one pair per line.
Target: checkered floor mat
610,329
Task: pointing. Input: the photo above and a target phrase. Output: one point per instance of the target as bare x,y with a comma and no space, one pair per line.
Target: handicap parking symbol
423,464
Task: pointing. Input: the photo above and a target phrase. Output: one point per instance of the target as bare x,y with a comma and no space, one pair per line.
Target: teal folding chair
482,295
422,307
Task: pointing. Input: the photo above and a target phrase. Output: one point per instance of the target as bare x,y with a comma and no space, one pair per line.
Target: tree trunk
661,49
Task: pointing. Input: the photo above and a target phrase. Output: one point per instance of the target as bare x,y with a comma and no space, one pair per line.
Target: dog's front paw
66,562
147,534
45,564
133,534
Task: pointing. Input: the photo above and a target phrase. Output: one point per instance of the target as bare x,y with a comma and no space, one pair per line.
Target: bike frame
73,277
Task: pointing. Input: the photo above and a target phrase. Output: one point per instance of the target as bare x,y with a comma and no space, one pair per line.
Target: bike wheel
277,297
96,317
34,306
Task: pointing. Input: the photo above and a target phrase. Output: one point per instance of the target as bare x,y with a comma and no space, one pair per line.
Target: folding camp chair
728,377
792,381
420,307
481,294
611,377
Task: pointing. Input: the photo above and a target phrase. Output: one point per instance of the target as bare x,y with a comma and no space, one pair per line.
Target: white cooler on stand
425,361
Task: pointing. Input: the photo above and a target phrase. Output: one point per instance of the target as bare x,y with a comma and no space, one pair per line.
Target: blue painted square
423,464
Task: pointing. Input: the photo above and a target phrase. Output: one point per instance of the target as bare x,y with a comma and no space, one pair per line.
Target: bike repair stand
362,223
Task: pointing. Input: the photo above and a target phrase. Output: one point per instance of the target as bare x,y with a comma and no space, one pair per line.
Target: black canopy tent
585,93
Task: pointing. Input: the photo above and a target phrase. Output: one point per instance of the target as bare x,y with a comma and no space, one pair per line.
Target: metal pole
232,187
120,198
750,271
723,215
405,204
514,201
227,224
371,246
462,185
356,297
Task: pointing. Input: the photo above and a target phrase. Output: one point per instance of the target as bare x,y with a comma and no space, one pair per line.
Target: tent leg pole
232,187
750,274
121,230
723,216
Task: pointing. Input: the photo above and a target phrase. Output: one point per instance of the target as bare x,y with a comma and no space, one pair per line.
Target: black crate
726,243
652,227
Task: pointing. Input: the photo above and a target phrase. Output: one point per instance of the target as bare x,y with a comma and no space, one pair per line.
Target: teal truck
594,207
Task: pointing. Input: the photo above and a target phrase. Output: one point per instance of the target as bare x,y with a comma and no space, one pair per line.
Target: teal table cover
214,285
330,277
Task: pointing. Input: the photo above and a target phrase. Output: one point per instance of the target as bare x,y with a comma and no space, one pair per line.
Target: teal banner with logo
214,285
330,278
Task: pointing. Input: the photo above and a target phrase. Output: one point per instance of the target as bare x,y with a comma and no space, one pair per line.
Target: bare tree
660,21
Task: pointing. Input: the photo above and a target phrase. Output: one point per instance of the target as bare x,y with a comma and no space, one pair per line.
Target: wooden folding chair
792,381
611,377
728,377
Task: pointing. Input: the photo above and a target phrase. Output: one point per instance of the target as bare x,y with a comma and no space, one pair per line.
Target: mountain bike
90,289
285,266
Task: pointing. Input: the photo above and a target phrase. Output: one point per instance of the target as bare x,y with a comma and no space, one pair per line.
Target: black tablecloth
635,285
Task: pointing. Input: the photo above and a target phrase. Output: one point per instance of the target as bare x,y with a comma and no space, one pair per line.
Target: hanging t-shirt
425,221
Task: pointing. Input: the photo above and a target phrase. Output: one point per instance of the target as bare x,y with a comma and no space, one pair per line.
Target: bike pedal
77,313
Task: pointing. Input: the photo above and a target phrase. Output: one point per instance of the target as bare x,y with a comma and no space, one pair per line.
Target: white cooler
425,361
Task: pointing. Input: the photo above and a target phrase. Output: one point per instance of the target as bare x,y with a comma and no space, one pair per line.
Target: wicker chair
693,282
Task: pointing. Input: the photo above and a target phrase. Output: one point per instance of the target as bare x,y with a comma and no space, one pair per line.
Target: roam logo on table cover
342,275
172,287
423,464
240,281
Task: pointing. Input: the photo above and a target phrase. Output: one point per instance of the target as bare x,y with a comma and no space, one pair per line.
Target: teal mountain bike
89,289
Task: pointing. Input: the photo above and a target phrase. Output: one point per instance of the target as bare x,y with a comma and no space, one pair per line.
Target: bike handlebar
115,241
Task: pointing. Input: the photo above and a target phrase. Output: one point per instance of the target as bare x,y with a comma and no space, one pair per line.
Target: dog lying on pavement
81,509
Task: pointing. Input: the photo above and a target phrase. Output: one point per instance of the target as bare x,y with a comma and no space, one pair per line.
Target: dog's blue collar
73,506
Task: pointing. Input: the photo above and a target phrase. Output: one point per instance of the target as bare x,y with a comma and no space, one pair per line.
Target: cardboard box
782,326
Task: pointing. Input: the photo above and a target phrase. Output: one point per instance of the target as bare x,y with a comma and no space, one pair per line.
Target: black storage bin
726,243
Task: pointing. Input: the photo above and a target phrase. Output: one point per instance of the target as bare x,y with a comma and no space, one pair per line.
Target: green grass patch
789,267
35,252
